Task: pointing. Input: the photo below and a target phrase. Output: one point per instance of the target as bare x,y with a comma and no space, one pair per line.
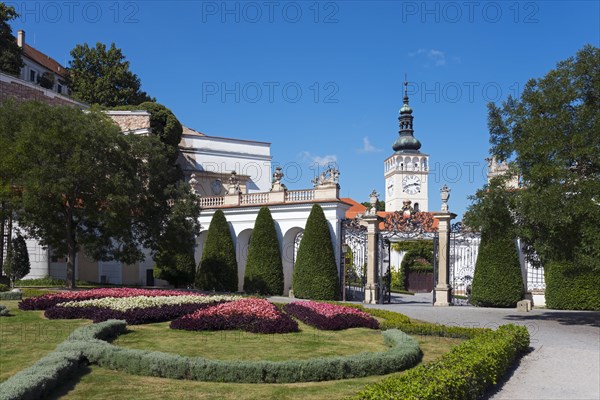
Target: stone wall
20,90
130,121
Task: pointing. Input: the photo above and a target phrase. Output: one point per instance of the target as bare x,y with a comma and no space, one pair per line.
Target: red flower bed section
252,315
50,300
330,317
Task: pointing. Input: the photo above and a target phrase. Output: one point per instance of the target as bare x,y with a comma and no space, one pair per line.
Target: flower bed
253,315
134,310
330,317
50,300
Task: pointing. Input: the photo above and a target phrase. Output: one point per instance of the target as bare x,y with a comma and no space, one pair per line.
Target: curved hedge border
49,372
404,353
466,372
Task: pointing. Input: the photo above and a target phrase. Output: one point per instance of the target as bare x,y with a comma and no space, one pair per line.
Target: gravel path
564,362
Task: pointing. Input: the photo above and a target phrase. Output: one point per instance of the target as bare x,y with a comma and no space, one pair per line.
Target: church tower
407,170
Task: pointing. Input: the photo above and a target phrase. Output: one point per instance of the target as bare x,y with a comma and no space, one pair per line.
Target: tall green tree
497,281
17,259
315,274
218,267
175,255
101,75
551,136
264,269
11,61
74,183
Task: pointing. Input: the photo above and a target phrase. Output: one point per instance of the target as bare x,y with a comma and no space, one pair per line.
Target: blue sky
322,81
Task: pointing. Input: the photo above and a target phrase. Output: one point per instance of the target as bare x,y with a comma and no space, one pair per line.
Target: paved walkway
564,362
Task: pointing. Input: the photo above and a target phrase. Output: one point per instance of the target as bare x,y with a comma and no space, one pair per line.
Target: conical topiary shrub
315,273
264,269
218,267
498,281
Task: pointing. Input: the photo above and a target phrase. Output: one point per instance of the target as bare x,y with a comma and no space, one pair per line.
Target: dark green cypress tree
497,281
264,269
17,264
218,267
315,273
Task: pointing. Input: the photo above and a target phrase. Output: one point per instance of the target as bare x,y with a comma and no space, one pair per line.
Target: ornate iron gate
354,260
402,226
464,246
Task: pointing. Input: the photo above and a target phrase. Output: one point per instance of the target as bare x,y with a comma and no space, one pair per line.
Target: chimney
21,38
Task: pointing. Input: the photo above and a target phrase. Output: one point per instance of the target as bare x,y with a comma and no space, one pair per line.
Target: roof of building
190,131
44,60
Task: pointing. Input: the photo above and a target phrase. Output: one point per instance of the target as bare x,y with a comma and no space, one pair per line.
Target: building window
59,89
32,76
416,207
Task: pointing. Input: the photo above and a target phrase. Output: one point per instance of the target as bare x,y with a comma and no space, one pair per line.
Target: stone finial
277,186
373,199
234,184
193,182
445,195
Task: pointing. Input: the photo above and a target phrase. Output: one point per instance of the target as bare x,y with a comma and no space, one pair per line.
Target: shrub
264,270
10,295
17,264
4,311
315,273
3,288
404,353
177,269
327,316
497,281
569,287
218,267
252,315
463,373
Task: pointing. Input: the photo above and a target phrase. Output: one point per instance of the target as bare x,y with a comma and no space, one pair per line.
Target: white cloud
368,147
319,160
433,56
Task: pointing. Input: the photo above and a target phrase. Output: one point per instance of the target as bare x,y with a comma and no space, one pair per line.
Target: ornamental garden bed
479,361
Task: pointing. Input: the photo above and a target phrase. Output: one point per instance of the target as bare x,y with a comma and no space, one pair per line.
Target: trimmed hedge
404,353
49,372
315,274
218,267
10,295
571,288
264,270
466,372
497,281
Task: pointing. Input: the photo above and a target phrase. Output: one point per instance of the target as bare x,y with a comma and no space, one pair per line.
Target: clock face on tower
411,184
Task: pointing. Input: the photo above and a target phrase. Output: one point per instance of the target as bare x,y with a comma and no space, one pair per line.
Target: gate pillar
442,289
372,222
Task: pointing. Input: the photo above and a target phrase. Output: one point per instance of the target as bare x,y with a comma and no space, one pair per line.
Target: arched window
416,207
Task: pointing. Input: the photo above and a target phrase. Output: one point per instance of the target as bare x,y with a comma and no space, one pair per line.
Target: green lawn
240,345
27,336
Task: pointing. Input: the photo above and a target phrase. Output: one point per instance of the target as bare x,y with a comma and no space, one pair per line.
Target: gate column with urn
372,221
442,289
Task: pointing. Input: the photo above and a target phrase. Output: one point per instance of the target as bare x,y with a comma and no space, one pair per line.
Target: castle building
406,171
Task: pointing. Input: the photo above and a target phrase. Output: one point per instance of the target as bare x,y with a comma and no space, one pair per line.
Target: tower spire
406,141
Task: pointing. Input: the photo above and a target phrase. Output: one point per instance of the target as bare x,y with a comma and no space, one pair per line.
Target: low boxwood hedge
466,372
10,295
49,372
404,353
